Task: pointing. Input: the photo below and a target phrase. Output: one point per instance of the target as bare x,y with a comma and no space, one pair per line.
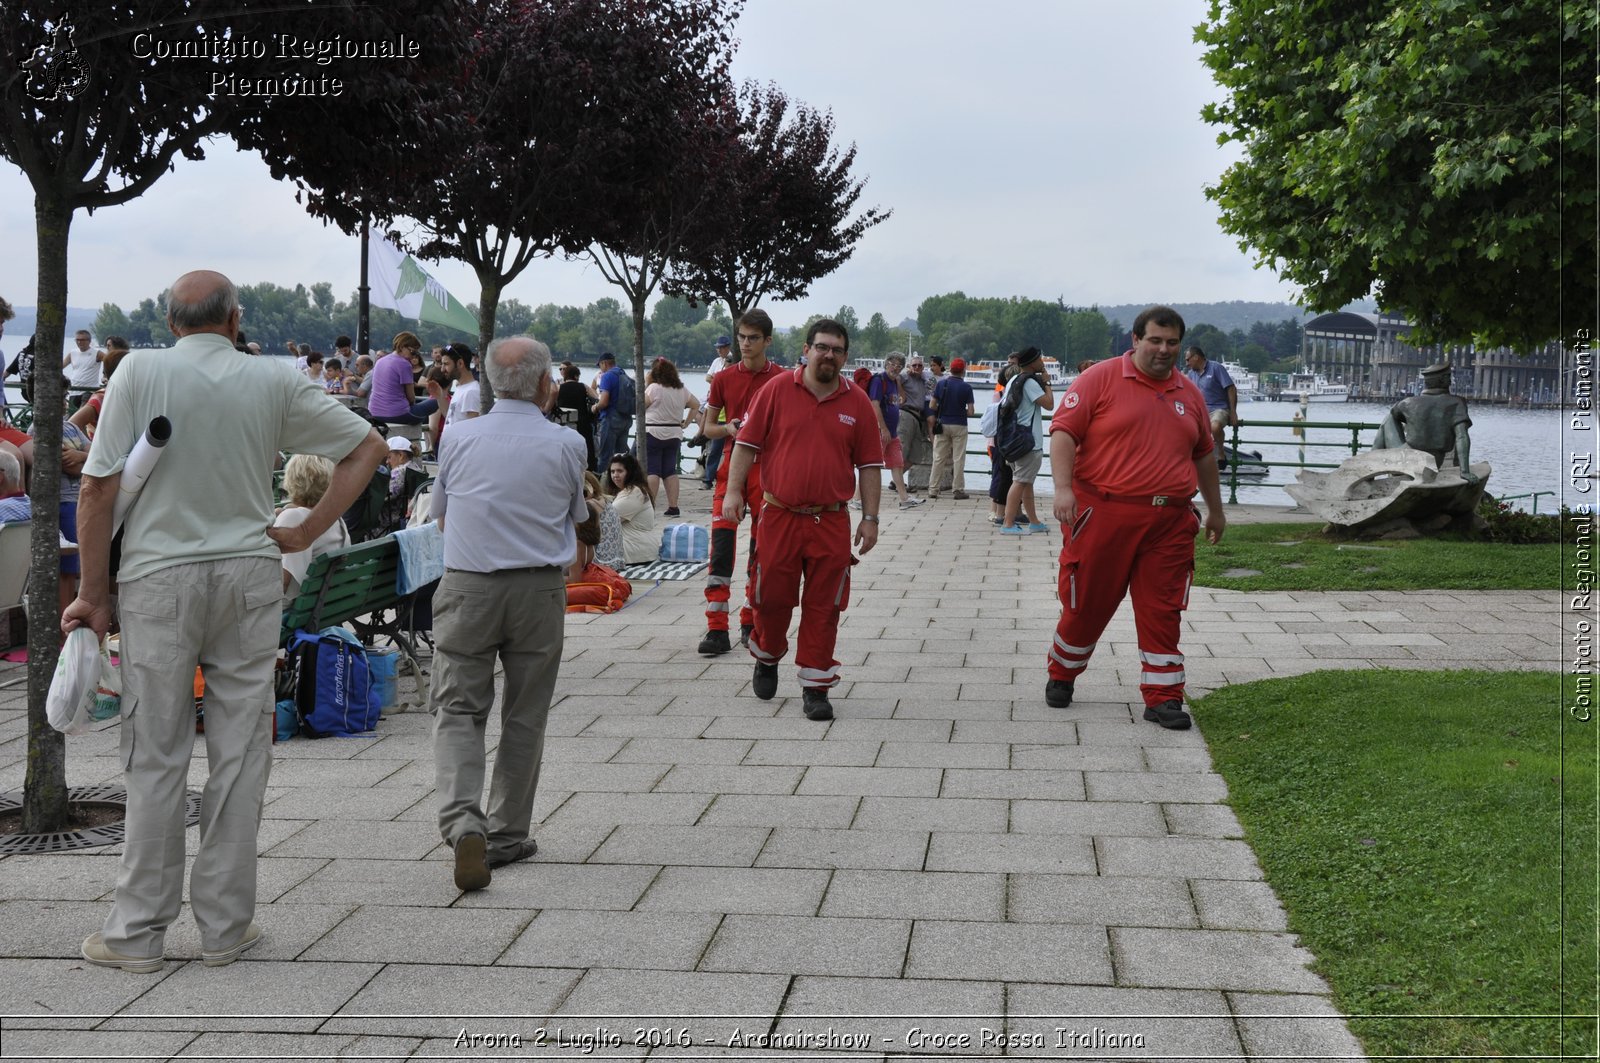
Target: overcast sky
1027,147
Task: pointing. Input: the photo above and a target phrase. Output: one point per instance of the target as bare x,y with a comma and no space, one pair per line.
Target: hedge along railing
1533,496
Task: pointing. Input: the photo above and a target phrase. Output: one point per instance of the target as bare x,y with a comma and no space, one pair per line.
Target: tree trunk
44,806
488,306
638,380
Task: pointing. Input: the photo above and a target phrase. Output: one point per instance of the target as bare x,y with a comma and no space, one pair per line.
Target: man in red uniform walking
731,391
1128,445
818,441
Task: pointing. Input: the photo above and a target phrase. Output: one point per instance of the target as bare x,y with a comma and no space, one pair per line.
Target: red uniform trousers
815,549
724,545
1111,547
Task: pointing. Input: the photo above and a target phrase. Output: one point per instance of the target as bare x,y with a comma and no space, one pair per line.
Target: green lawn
1296,557
1412,823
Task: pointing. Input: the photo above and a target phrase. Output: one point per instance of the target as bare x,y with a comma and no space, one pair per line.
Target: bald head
519,368
203,301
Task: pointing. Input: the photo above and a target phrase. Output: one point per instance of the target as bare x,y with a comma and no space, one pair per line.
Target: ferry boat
1314,387
982,374
1249,385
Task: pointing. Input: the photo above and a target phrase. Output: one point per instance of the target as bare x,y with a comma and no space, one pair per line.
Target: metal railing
1301,439
1533,496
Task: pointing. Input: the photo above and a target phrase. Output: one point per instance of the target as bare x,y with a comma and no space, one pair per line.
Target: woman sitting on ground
305,481
668,409
635,506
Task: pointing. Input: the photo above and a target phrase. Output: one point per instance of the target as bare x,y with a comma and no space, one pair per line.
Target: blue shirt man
610,426
1222,397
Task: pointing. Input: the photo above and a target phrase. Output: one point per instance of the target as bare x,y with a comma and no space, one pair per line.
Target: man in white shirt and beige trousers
201,584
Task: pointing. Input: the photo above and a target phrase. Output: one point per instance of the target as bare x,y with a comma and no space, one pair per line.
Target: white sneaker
912,502
855,503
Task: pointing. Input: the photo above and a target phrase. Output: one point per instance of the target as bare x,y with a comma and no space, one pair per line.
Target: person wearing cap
1128,447
915,430
1031,386
713,447
730,395
953,410
818,444
611,427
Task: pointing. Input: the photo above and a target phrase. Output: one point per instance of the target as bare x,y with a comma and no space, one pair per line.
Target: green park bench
355,585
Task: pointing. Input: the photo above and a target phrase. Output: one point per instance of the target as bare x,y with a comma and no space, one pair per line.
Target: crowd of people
206,560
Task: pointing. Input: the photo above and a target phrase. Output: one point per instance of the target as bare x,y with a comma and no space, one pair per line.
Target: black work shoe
472,870
744,634
765,681
714,643
817,705
1168,714
1058,693
521,852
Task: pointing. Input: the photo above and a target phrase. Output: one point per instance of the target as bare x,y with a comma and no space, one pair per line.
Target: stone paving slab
948,857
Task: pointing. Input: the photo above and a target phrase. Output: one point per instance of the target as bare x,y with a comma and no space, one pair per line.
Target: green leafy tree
784,198
111,321
1087,337
1436,152
1210,339
875,338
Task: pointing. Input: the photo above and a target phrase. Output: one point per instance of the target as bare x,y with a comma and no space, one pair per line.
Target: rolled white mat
141,460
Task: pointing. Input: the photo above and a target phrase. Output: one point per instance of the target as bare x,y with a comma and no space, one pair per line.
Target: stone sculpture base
1395,493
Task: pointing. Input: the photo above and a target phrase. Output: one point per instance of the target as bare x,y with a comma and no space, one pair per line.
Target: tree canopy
1437,153
782,214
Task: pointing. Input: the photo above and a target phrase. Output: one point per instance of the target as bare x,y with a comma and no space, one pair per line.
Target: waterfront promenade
949,866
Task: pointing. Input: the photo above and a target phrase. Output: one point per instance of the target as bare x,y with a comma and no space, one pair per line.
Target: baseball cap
606,357
957,365
400,443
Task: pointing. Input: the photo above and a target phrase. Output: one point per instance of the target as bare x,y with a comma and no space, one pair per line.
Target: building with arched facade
1369,353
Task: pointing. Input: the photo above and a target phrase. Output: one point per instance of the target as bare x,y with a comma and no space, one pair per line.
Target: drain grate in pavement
62,841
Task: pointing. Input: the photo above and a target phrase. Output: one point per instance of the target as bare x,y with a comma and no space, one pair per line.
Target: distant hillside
27,316
1228,316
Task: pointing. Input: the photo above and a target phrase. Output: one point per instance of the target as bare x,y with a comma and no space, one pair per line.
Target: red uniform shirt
734,386
1136,435
811,448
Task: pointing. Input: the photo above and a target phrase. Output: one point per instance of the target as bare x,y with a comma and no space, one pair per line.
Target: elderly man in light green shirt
200,586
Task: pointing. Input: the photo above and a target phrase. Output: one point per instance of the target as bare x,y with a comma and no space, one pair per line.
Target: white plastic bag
86,690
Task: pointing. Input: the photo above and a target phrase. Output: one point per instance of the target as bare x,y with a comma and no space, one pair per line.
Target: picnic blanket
663,570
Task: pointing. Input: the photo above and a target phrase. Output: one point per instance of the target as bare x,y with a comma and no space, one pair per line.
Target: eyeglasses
755,338
829,348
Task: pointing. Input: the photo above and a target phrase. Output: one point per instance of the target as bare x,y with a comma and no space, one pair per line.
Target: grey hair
214,309
516,364
10,468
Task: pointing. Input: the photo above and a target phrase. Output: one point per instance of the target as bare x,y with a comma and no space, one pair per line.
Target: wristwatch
873,517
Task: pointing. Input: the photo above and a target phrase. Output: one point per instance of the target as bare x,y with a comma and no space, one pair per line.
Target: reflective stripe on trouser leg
825,560
1091,583
1159,588
755,505
1073,659
776,588
725,547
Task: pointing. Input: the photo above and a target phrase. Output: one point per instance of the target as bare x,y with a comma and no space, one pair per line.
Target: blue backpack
333,688
625,401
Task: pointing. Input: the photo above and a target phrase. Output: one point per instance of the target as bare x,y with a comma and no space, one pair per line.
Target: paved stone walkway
950,868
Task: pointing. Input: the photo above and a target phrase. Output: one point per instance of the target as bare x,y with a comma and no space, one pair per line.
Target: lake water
1525,447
